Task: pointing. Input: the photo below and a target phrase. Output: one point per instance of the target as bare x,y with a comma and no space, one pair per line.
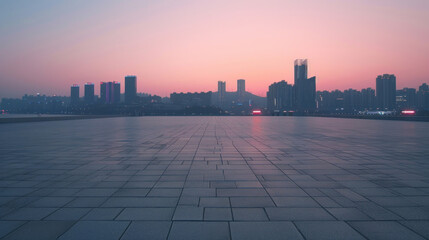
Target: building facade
130,89
89,93
280,97
386,92
74,94
221,92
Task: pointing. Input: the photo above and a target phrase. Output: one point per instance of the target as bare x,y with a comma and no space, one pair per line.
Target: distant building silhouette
130,89
110,92
74,94
280,97
191,99
103,92
89,93
406,98
241,89
423,97
368,99
386,92
304,88
352,100
221,91
116,92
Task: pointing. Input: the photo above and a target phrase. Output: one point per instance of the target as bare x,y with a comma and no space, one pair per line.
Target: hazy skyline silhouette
175,46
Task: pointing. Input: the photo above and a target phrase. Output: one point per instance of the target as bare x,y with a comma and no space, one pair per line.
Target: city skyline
188,46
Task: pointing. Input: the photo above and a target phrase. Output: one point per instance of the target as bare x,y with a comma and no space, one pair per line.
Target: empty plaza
238,178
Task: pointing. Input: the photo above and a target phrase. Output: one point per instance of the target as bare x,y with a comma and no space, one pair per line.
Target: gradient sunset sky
180,45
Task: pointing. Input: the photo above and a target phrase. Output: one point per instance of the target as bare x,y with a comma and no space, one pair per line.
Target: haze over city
176,46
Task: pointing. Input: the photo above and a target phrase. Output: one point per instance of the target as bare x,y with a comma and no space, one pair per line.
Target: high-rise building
368,99
310,94
406,98
280,97
191,99
89,93
74,94
110,92
130,89
386,92
241,89
103,92
423,97
304,87
116,92
352,100
221,91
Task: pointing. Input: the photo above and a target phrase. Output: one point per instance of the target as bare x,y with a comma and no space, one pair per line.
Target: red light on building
256,112
408,112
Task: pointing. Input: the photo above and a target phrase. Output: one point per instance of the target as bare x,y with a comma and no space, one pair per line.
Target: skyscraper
241,89
310,94
406,98
110,92
386,92
221,90
280,96
116,92
103,89
352,100
89,92
130,89
368,99
304,88
423,97
74,94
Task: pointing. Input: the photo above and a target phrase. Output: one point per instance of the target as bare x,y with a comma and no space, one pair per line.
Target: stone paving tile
264,230
68,214
40,230
29,214
146,214
384,230
214,177
217,214
292,214
327,230
199,230
8,226
420,227
102,214
147,230
188,213
295,202
107,230
249,214
347,214
214,202
412,213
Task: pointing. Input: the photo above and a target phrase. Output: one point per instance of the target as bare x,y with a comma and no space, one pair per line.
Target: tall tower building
109,92
368,99
304,87
116,92
74,94
386,92
130,89
279,97
89,93
221,91
300,76
241,89
103,91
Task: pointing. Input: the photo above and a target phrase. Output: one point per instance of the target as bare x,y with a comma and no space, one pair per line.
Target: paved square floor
214,178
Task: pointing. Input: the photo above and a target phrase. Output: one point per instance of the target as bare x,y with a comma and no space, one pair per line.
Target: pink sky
46,46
